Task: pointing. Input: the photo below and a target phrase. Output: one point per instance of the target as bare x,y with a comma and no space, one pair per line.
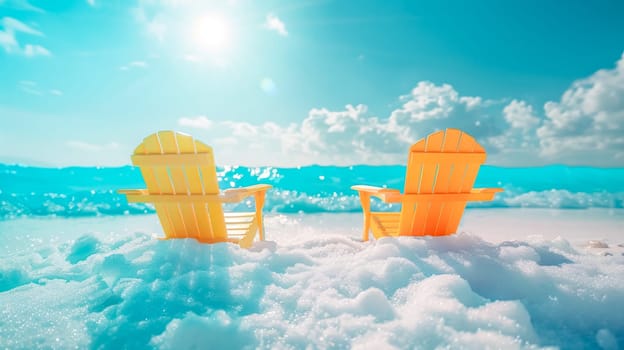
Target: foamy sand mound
104,283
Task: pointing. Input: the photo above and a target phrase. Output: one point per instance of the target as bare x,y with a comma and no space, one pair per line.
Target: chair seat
385,224
239,224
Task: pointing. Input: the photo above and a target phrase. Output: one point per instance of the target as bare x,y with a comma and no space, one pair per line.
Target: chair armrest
135,195
476,194
132,192
485,194
487,190
388,195
233,195
373,189
249,189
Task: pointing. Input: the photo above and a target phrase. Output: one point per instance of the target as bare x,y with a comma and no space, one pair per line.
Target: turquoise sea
90,191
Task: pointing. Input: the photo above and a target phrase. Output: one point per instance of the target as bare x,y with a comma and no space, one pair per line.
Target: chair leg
365,200
247,240
365,234
259,198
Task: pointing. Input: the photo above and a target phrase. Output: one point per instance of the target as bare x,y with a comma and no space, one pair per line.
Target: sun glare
213,33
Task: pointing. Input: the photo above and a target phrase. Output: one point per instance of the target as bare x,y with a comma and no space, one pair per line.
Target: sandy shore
509,279
598,229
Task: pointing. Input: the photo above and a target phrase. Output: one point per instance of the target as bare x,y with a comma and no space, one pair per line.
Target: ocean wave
77,192
110,203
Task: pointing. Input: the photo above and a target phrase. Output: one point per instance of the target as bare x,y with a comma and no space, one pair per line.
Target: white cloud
35,50
518,144
342,137
587,124
333,134
91,2
139,64
354,136
585,128
8,41
242,129
134,64
267,85
275,24
14,25
428,101
152,18
29,87
200,122
22,5
10,27
33,88
470,101
520,115
432,107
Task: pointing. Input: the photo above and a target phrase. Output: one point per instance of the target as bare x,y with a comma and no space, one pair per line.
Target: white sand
510,279
583,228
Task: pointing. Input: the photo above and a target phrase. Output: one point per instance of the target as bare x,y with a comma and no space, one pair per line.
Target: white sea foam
313,284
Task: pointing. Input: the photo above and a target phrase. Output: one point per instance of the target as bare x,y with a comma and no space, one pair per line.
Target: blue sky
311,82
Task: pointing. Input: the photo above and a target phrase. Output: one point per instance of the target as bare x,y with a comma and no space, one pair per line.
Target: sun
213,33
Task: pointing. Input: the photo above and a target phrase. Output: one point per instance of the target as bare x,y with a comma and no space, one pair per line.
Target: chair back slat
446,161
182,176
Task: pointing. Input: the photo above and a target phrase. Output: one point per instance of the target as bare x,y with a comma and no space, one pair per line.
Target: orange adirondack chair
181,179
441,171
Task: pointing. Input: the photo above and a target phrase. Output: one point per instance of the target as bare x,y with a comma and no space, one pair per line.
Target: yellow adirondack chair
181,179
441,171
